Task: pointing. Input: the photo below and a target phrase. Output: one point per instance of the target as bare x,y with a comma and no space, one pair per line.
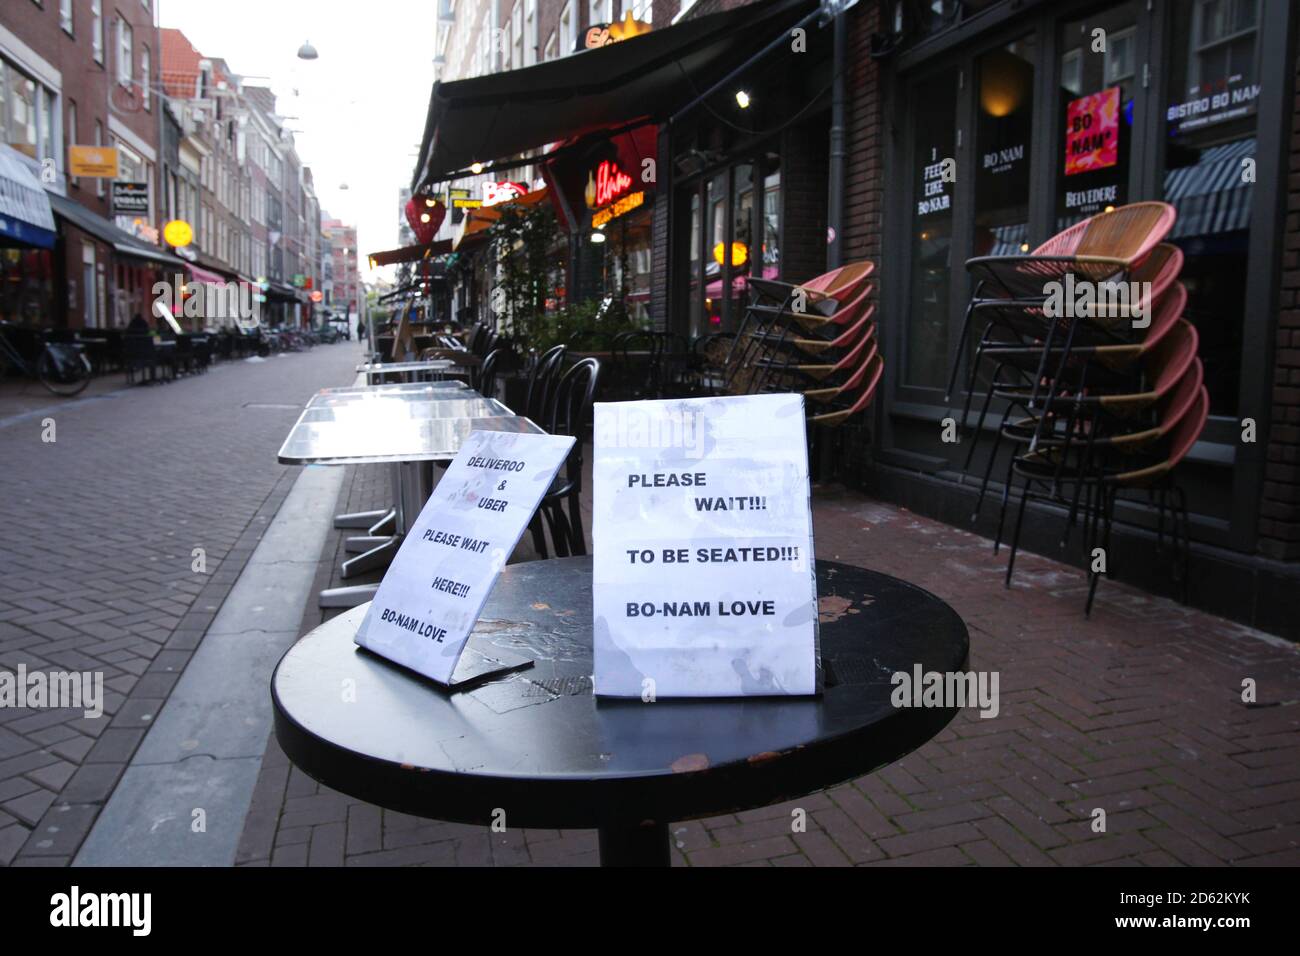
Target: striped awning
25,213
1211,195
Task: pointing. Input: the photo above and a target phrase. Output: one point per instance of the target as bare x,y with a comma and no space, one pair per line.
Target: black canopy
645,78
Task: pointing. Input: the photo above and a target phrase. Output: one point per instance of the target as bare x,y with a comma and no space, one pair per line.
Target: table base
348,596
359,519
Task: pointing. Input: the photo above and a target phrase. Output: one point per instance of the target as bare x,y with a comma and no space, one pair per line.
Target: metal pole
835,182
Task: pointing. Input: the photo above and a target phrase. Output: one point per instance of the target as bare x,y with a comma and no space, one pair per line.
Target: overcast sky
360,106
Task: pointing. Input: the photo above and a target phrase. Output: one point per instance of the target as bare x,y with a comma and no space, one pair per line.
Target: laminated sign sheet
434,590
704,578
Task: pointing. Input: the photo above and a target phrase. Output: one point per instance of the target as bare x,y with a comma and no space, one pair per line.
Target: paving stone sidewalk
96,570
1137,711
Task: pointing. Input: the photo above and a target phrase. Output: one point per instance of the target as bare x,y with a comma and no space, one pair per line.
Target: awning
99,227
1210,195
413,253
199,274
25,214
645,78
478,221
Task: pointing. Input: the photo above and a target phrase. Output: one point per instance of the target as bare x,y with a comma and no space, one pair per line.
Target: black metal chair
485,379
569,413
541,381
139,355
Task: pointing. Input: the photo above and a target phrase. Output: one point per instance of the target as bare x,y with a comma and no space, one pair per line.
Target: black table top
538,745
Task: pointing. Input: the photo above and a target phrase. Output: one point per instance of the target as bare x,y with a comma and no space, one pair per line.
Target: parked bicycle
61,367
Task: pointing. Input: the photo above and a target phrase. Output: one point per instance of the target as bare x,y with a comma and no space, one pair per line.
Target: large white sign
434,590
704,579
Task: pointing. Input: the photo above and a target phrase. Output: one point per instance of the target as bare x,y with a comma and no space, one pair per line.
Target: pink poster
1092,132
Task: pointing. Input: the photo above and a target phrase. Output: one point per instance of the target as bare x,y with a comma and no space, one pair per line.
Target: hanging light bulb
307,51
742,99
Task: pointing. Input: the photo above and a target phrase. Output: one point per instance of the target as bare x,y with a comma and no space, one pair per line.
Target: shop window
934,125
1210,128
1003,133
1099,56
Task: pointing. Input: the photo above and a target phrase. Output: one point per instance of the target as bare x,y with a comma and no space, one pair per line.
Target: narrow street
106,520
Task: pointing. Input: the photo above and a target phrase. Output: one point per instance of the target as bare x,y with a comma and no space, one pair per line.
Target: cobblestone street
97,567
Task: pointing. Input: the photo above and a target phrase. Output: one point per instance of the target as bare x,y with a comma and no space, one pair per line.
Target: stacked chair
818,338
1097,399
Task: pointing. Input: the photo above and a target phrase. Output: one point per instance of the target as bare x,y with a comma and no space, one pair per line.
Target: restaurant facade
939,131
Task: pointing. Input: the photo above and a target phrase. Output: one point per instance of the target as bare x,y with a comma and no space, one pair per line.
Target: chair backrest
1172,357
1129,232
1166,312
569,411
541,379
842,281
1176,405
486,380
1189,427
1065,242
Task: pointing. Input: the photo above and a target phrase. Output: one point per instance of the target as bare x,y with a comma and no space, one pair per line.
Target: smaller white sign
434,591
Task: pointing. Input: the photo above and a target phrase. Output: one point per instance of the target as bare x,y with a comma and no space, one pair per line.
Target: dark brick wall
1279,520
805,156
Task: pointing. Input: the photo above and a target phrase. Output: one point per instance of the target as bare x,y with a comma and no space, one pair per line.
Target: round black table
535,748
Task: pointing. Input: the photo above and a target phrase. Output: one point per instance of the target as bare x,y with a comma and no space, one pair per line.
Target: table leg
386,525
379,557
347,597
634,844
359,544
359,519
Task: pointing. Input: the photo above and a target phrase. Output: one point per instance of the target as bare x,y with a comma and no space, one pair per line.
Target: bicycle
61,367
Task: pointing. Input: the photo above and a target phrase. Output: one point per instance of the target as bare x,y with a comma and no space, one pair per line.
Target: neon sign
619,208
608,183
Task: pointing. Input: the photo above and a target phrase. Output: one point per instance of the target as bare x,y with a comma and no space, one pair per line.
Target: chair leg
1108,506
1015,535
575,526
988,468
1006,492
539,534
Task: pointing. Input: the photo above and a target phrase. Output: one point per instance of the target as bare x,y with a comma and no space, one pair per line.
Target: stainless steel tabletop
379,368
379,431
394,408
405,391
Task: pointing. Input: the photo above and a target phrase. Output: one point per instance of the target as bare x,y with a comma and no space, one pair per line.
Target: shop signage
317,296
934,185
1092,132
299,280
433,592
605,184
130,199
98,162
603,34
1234,98
620,207
494,193
703,582
178,233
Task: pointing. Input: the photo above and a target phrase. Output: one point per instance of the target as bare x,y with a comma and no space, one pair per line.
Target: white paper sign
704,579
434,590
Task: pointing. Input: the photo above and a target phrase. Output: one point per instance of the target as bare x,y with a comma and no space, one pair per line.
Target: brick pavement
96,567
1137,711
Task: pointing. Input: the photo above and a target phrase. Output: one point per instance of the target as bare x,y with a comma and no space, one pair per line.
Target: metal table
539,747
408,370
403,429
